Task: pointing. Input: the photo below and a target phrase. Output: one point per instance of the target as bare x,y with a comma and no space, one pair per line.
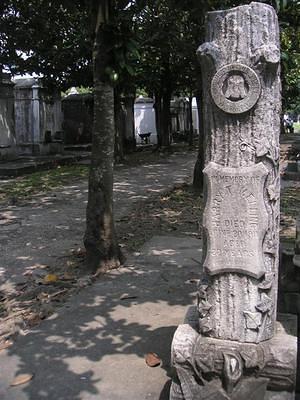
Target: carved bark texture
236,305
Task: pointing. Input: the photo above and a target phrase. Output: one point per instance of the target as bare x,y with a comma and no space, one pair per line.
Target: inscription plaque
235,88
235,219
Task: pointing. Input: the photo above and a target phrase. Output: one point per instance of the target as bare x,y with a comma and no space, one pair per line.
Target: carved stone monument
236,350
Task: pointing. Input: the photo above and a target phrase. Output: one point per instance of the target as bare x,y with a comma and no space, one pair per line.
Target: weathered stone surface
235,88
38,118
241,86
235,219
211,368
236,352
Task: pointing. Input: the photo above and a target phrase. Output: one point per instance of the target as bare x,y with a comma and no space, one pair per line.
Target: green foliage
168,56
46,38
80,90
289,17
124,50
152,43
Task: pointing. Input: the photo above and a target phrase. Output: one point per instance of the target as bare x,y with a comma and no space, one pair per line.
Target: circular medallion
235,88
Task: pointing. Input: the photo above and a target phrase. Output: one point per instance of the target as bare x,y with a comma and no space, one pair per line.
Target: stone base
217,369
270,395
7,152
36,149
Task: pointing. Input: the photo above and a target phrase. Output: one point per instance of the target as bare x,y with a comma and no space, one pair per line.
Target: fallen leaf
50,278
60,292
127,296
192,281
21,379
79,252
70,263
152,360
33,320
6,344
128,265
67,276
84,281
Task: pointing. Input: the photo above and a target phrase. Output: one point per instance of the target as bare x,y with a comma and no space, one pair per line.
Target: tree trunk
130,142
166,105
100,240
191,127
158,118
119,126
199,165
166,119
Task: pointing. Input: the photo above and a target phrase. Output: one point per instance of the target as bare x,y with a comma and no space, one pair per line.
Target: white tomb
144,118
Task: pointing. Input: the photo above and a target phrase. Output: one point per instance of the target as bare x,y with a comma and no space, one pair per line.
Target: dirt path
43,231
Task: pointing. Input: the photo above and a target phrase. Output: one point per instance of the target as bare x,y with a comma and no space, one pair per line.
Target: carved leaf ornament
266,304
274,190
253,320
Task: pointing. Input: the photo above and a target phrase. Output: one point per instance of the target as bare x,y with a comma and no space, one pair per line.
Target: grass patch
24,187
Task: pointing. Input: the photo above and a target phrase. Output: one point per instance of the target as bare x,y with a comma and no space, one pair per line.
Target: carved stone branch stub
235,88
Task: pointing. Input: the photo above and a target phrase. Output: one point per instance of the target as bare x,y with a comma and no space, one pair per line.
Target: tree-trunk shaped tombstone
236,305
241,80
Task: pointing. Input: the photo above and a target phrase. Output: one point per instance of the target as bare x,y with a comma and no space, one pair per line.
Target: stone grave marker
237,350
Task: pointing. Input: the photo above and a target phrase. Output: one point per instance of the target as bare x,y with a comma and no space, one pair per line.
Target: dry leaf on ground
50,278
152,360
21,379
79,252
6,344
33,320
128,296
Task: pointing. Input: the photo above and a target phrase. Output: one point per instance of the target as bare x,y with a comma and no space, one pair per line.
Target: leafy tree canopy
148,38
46,38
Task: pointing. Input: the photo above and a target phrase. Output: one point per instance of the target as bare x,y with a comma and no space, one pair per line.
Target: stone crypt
232,345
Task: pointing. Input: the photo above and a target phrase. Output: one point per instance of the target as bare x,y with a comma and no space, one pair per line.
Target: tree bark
102,251
158,118
130,142
166,105
166,119
191,126
199,165
119,126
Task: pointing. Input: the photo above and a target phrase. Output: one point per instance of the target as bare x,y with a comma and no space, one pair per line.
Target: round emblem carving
235,88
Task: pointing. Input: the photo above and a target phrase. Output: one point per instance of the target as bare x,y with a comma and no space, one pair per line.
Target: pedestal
215,369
